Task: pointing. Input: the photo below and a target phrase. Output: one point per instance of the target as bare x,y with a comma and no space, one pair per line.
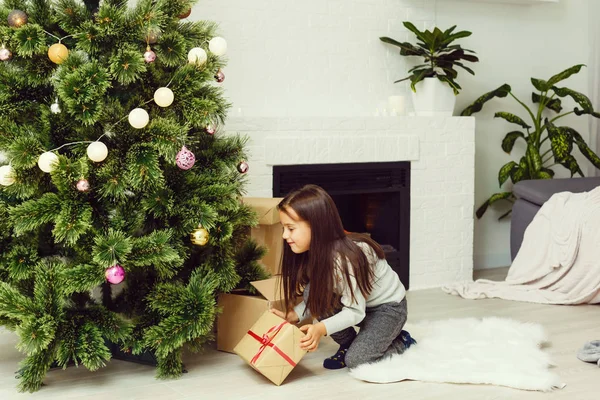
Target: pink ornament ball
83,185
149,56
220,76
210,129
185,159
5,54
243,167
115,274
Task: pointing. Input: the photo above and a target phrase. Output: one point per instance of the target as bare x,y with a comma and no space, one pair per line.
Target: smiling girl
345,282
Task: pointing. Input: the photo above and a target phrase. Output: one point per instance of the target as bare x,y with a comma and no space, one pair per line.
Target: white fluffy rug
492,351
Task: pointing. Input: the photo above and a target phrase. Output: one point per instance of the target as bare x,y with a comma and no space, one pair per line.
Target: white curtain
594,79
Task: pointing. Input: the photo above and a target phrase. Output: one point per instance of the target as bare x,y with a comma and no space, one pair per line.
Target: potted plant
546,143
437,89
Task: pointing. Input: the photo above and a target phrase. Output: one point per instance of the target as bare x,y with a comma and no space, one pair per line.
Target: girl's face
296,232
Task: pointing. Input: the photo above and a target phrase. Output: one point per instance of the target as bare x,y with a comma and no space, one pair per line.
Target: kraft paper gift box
272,347
240,311
268,232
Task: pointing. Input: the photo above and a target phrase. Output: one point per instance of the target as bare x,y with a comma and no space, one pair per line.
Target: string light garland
138,117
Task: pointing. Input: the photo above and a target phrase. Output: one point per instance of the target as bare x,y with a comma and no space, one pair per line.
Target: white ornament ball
164,97
7,175
47,161
55,108
217,46
97,151
138,118
197,55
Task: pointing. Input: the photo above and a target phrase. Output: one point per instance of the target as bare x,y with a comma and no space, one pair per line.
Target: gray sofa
531,194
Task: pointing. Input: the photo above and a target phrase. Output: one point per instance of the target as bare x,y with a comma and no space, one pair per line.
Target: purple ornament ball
115,274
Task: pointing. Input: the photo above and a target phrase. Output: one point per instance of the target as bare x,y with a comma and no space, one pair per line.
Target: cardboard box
241,311
272,347
268,232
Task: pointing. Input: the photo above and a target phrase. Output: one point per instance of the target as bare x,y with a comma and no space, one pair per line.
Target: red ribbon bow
266,340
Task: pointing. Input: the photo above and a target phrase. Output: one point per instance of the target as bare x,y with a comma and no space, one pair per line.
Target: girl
344,280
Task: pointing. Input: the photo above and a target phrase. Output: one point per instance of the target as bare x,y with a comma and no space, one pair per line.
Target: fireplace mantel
442,155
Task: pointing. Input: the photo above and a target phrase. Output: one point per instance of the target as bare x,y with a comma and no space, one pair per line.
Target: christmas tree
120,215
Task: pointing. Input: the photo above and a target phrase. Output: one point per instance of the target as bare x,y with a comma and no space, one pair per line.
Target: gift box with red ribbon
272,347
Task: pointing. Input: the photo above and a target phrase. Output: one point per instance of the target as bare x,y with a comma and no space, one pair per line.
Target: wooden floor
216,375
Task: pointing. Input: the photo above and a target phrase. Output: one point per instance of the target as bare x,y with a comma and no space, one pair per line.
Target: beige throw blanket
559,260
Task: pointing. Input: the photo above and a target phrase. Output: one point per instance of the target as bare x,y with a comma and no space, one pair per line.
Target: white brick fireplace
442,155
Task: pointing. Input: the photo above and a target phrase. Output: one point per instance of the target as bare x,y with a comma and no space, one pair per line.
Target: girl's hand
291,316
314,333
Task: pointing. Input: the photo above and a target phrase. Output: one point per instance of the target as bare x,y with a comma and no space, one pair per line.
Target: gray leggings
378,334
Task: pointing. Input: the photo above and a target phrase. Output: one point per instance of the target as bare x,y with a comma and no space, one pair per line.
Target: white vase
433,98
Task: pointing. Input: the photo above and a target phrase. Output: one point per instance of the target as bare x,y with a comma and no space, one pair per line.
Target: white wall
312,57
514,43
324,58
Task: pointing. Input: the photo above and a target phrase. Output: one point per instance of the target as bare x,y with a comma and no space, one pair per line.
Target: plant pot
433,98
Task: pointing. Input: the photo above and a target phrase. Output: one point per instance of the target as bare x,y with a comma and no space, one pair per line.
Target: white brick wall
442,155
313,57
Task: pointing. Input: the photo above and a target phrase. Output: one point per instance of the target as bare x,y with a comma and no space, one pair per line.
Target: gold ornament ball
199,236
17,18
58,53
153,35
185,14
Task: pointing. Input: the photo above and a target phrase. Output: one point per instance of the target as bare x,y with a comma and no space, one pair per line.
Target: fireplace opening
372,198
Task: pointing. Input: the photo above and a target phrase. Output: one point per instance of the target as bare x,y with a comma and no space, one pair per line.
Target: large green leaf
552,104
494,198
477,105
418,77
540,84
406,49
457,35
522,172
509,140
449,30
458,47
506,171
579,98
511,118
543,174
573,166
561,142
544,86
549,172
447,79
469,70
419,67
583,147
565,74
421,35
533,159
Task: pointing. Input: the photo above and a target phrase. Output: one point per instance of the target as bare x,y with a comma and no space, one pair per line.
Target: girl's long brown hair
330,248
